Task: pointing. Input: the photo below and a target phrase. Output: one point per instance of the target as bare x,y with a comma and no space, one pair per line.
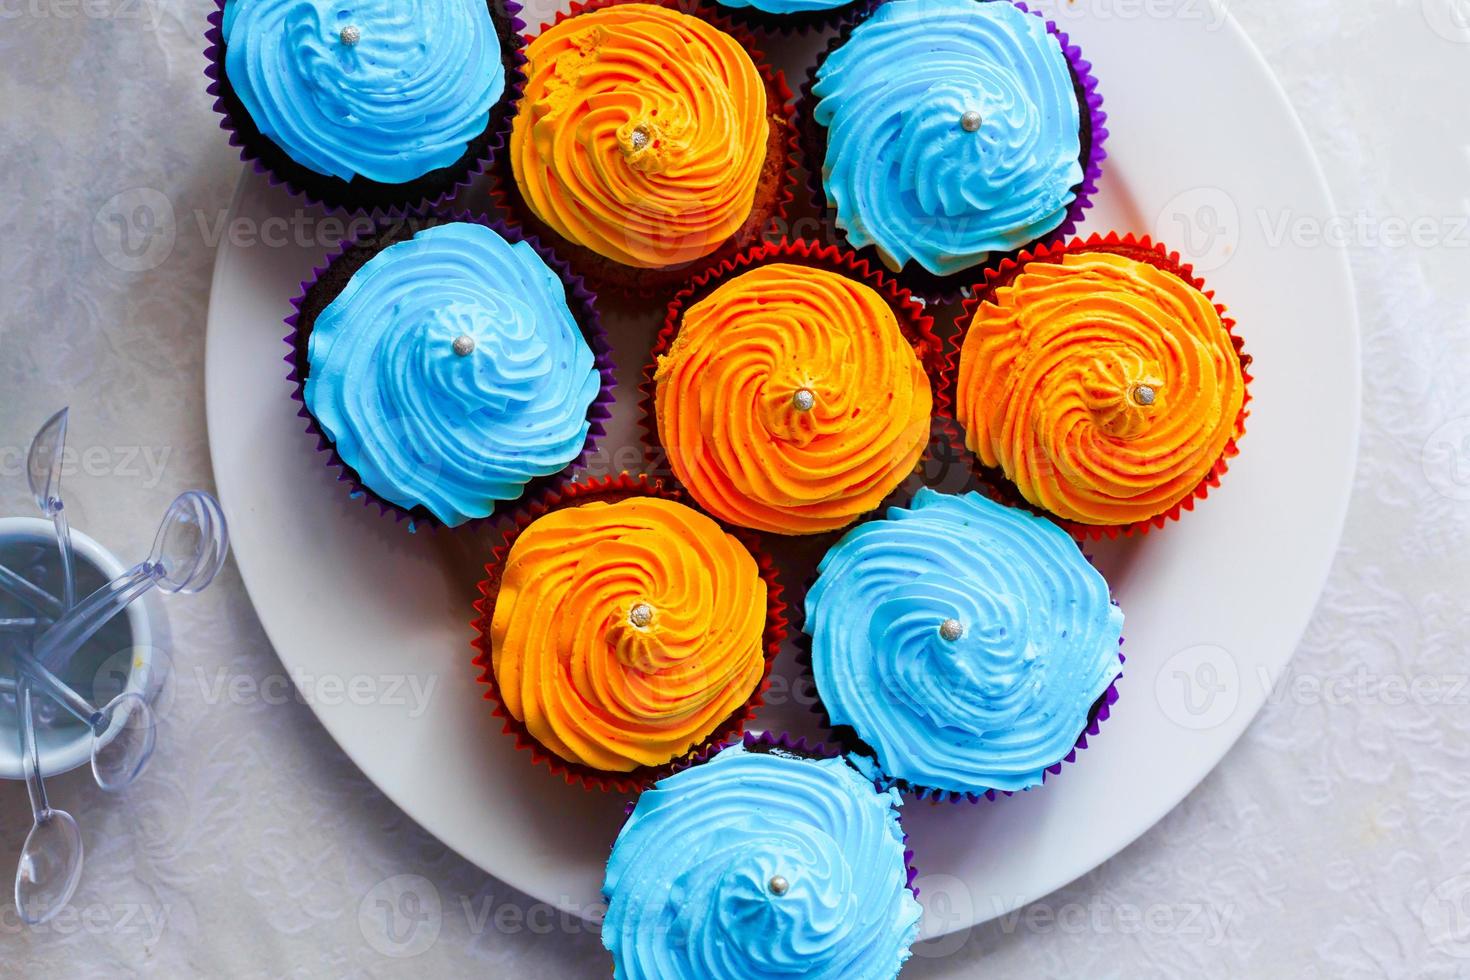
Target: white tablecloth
1333,840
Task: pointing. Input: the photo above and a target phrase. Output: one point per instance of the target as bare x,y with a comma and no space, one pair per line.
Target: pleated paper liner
360,195
611,490
919,281
328,281
781,743
774,195
1143,249
853,744
913,320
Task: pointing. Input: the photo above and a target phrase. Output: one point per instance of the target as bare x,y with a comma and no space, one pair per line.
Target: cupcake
790,388
647,139
448,367
768,860
961,647
372,106
622,630
951,131
1102,381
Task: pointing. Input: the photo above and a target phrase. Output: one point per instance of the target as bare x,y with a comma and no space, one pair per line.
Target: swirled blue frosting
406,98
907,171
689,883
424,425
994,707
783,7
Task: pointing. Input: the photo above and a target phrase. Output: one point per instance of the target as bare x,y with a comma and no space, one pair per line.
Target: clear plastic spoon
188,551
124,733
29,594
51,860
43,470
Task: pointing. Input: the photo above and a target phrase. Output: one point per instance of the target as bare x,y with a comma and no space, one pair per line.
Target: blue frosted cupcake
795,16
960,646
765,861
448,367
952,131
382,104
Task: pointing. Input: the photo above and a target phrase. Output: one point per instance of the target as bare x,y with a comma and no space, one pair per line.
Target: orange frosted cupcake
790,392
621,631
1103,381
648,139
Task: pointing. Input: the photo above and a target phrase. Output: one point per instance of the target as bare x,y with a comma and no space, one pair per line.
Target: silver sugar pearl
350,35
641,615
803,399
464,345
639,138
951,629
779,885
970,121
1144,394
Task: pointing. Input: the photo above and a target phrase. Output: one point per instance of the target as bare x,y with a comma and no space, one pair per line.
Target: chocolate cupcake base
327,282
775,189
361,195
945,289
611,490
1145,250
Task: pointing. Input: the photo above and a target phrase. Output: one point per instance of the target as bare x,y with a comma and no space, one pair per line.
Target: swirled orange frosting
790,400
642,134
1105,388
625,633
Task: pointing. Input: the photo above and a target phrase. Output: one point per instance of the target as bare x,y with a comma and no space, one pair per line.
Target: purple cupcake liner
782,742
307,305
852,744
361,196
947,289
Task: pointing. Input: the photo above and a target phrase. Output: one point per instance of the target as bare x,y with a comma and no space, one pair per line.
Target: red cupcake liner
1143,249
853,744
798,746
916,324
611,490
631,282
946,289
361,196
352,255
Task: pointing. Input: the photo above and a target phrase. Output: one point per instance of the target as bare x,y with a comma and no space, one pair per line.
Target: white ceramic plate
1205,150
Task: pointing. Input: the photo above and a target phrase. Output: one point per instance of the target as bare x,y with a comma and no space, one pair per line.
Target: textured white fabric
1333,841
